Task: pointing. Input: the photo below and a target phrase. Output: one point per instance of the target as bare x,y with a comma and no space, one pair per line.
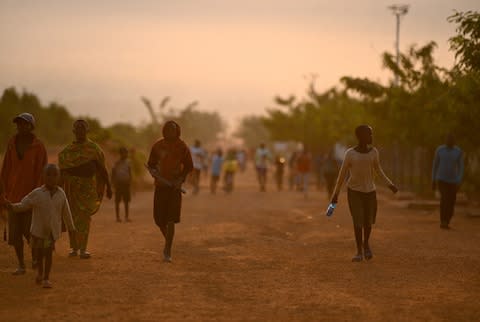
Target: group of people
44,199
219,164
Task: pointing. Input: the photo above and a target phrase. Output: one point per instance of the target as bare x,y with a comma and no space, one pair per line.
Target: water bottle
330,209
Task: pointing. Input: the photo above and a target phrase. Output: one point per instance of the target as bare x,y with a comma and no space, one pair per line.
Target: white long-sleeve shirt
361,168
48,211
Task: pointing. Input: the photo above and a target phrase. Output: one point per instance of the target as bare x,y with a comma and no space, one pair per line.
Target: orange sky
233,56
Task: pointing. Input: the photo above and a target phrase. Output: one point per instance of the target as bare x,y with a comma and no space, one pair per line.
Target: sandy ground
254,256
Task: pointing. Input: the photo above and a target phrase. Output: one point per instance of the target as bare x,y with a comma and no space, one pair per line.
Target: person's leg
40,268
127,210
48,263
82,236
169,239
356,210
15,239
450,202
443,204
117,209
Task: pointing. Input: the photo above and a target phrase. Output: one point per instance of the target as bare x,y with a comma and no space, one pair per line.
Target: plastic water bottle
330,209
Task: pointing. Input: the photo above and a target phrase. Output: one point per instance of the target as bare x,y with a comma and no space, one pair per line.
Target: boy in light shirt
49,205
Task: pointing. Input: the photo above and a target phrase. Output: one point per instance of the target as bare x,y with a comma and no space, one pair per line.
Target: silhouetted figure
122,182
279,172
360,164
230,167
262,157
198,156
23,163
171,161
447,173
216,170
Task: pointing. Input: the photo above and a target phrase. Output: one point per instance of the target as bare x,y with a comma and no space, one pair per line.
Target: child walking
49,204
122,181
361,163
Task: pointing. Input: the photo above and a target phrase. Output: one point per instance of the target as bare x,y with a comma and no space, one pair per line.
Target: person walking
50,206
23,163
447,174
84,176
262,157
122,181
198,156
216,171
169,163
361,163
230,167
304,168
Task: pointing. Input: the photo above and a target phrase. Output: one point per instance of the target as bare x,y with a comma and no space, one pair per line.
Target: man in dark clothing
447,172
170,160
22,172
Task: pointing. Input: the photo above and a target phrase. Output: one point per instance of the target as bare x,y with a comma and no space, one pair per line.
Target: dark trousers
448,197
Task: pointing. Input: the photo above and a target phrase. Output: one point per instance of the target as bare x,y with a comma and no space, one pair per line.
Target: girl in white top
361,163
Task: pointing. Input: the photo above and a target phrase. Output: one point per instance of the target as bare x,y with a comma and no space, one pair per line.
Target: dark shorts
363,207
167,205
18,227
122,192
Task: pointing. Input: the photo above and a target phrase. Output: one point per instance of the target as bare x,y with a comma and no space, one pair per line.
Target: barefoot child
49,204
361,163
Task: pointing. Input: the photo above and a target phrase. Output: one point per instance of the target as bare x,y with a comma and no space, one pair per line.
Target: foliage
252,131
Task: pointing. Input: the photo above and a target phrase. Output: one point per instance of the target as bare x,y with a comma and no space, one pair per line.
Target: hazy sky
234,56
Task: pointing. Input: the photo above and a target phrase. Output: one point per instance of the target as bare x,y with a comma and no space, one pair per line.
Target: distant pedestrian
262,158
50,208
360,164
199,158
279,171
304,169
216,170
171,162
242,160
23,163
292,171
230,167
447,174
122,181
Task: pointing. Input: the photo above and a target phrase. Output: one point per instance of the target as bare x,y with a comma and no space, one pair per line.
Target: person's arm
67,216
6,168
381,173
436,161
341,177
27,203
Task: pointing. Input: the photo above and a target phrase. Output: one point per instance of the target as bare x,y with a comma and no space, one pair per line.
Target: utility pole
399,10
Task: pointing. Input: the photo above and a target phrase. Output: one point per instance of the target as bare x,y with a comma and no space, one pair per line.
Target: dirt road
254,256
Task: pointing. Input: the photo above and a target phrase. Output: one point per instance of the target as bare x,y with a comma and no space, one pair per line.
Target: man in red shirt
171,161
25,158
